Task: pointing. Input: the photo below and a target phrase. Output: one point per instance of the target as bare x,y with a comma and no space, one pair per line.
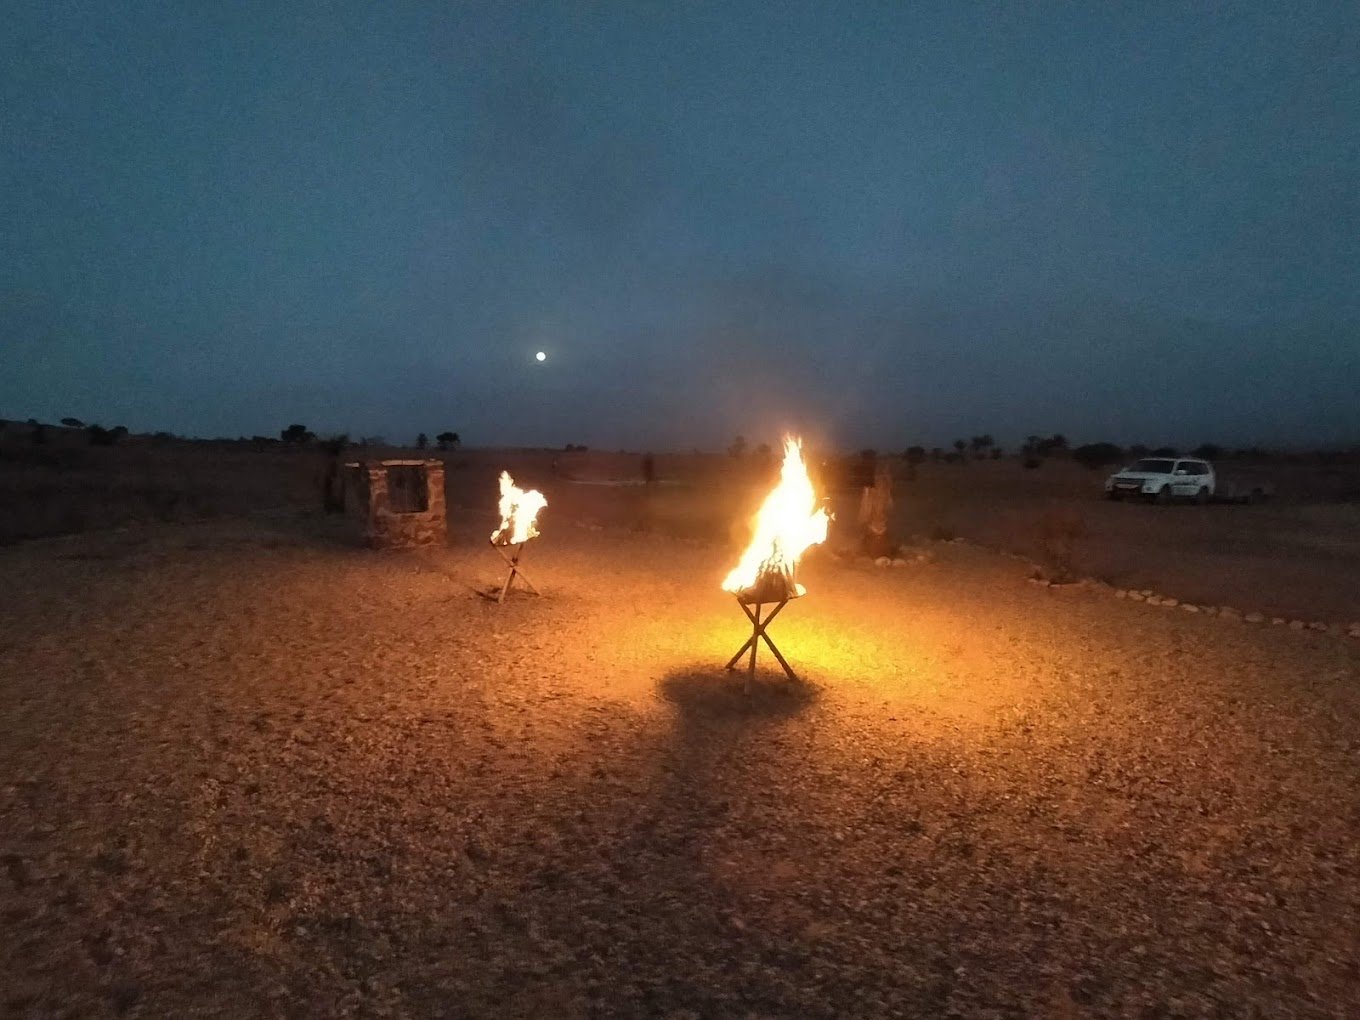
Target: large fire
790,520
518,510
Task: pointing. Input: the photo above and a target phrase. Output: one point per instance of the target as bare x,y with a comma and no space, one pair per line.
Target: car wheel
1164,495
1202,497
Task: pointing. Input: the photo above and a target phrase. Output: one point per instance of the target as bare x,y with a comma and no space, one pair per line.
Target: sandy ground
1296,557
251,770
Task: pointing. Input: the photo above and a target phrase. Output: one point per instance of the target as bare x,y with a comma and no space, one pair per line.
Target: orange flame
518,510
789,521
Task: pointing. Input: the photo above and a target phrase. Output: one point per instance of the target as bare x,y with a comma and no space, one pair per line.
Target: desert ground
251,768
1295,556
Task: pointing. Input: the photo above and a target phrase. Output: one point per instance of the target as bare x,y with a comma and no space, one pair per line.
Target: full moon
540,356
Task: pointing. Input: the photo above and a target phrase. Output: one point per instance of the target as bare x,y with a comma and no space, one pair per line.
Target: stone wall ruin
400,502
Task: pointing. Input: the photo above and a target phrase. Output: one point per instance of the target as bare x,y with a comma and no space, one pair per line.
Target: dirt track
248,770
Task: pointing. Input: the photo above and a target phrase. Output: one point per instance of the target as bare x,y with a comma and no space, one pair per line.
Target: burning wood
519,509
790,520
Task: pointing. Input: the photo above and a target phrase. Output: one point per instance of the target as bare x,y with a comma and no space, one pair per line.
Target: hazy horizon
879,227
1011,446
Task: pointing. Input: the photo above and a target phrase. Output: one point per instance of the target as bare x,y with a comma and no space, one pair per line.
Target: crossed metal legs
759,633
516,571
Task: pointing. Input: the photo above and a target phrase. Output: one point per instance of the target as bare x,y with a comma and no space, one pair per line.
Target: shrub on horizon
1097,455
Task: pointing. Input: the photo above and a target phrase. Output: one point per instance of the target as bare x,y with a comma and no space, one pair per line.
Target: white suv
1164,479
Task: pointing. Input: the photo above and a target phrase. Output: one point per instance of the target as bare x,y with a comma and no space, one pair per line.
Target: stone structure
400,501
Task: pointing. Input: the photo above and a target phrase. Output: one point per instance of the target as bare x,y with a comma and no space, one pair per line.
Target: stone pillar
437,518
378,511
875,510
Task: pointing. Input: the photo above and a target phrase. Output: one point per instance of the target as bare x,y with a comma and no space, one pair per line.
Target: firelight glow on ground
348,783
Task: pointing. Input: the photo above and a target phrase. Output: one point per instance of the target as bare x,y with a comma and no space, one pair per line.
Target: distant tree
73,423
1209,451
1031,447
737,448
997,453
1166,451
914,455
299,435
422,441
763,451
1097,455
960,445
448,440
936,454
335,445
100,436
980,445
1138,450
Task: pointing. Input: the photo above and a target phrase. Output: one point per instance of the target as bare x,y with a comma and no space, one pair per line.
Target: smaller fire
518,512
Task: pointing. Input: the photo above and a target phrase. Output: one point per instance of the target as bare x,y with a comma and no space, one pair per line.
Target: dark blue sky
881,223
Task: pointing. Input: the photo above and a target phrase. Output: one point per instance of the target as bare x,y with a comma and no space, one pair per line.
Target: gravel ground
248,770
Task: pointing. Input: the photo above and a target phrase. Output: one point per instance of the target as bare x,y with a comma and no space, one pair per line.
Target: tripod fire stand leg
515,571
759,632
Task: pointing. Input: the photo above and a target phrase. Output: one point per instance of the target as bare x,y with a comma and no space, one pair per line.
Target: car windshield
1156,467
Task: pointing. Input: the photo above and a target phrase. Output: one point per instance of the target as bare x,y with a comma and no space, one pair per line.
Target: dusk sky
878,223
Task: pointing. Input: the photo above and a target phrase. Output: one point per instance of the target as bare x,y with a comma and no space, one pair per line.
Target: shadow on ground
706,695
